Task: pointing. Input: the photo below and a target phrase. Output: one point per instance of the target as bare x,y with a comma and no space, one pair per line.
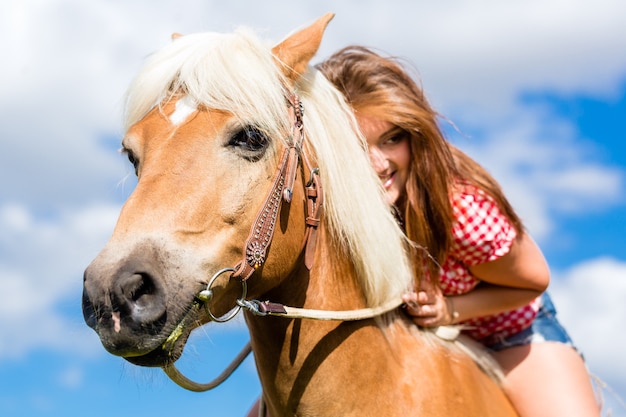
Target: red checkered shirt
482,233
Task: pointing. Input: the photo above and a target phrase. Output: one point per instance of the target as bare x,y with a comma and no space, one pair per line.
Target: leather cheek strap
315,204
260,237
262,231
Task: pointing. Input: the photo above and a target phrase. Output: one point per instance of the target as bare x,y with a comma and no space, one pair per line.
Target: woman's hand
507,283
428,307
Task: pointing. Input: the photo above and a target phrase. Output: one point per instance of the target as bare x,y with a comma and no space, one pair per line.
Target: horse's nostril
138,298
139,288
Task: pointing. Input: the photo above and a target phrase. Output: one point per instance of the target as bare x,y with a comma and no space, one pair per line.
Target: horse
254,184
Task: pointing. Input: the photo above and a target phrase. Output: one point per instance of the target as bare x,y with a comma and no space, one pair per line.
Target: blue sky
536,89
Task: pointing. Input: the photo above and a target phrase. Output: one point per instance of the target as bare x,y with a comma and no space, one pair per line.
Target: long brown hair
381,87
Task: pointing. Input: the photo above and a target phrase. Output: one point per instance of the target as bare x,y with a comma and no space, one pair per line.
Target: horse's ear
295,52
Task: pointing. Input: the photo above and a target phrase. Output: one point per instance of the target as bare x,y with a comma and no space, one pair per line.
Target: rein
255,252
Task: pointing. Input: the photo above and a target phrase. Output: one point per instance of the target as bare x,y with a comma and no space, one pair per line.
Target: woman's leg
547,379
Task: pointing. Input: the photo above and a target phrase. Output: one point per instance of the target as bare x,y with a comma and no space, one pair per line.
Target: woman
486,273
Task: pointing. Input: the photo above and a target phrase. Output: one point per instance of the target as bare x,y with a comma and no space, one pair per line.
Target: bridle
262,230
255,252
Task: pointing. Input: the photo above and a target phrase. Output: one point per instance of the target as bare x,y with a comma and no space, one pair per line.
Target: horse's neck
331,368
302,363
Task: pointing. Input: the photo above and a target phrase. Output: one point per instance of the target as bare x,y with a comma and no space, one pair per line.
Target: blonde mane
237,73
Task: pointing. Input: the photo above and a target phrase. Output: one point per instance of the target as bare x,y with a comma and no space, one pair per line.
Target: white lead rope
264,308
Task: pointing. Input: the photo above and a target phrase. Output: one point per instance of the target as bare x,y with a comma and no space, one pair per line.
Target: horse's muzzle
127,308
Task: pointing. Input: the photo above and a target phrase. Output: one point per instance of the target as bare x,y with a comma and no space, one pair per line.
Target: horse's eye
249,139
132,159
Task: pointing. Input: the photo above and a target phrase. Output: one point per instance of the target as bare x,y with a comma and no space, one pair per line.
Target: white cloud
487,51
41,264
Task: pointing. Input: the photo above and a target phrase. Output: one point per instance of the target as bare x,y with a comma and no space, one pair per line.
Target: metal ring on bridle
207,294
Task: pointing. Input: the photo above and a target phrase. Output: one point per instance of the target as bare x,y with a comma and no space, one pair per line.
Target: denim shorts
545,328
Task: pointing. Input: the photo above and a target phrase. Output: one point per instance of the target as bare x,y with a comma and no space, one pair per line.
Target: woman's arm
508,282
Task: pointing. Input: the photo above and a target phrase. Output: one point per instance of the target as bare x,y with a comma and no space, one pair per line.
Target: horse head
205,143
